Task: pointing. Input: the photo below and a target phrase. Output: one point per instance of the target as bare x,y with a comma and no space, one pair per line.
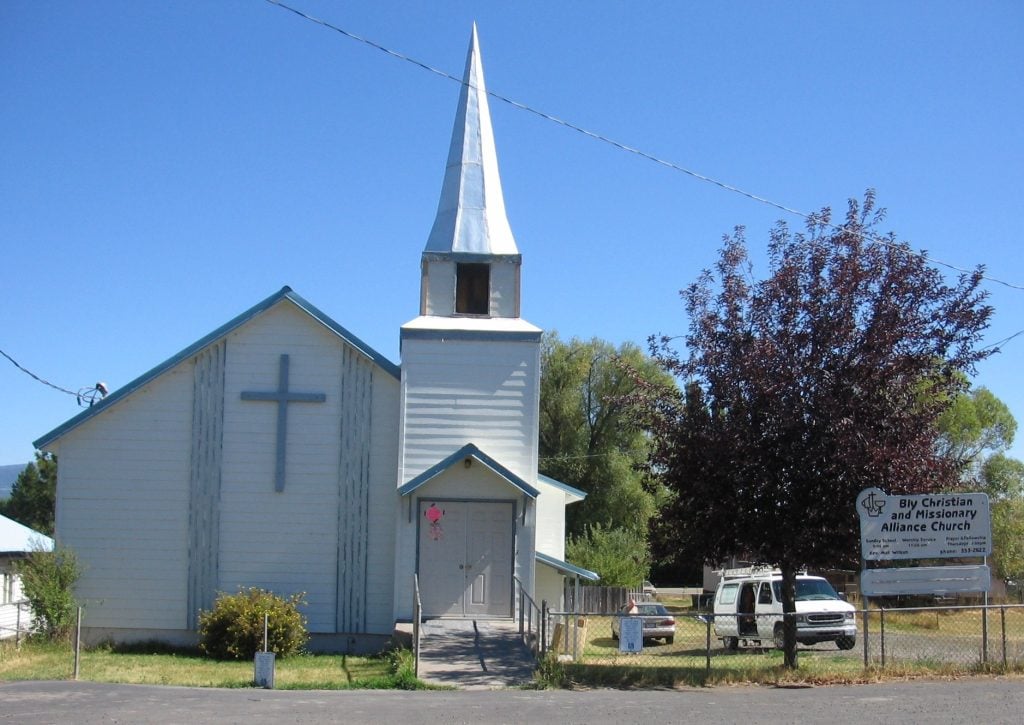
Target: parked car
648,589
657,622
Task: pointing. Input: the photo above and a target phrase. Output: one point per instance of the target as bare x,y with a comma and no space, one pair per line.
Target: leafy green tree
33,496
823,379
619,555
48,581
975,422
587,437
975,431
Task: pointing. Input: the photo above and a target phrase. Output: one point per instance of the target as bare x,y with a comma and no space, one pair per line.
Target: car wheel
615,635
846,642
670,640
779,636
731,643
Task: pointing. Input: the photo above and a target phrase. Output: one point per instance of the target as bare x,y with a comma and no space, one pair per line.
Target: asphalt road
982,700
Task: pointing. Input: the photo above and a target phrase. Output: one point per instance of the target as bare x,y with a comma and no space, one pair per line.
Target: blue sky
166,165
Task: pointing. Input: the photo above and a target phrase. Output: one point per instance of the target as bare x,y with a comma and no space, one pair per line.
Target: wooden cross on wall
282,396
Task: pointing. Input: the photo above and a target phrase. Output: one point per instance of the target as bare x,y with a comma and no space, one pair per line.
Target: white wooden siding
321,525
457,392
551,520
122,505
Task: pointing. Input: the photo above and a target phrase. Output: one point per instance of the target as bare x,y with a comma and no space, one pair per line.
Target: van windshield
807,590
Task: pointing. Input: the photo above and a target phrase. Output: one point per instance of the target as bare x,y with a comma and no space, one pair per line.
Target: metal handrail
528,610
417,616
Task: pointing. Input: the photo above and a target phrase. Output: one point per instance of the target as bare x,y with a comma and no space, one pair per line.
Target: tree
803,389
975,422
33,496
48,580
975,431
620,555
587,437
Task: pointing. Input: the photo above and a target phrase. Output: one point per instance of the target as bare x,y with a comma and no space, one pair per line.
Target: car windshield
808,590
649,609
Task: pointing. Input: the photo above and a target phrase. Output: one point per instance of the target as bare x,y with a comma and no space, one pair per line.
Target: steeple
471,212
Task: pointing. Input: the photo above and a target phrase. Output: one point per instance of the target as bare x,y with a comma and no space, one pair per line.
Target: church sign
927,526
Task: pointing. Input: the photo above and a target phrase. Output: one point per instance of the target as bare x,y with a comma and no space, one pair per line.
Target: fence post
866,647
17,626
543,626
707,647
78,640
882,630
984,631
1002,618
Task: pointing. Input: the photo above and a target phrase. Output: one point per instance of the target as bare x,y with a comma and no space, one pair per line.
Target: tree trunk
789,615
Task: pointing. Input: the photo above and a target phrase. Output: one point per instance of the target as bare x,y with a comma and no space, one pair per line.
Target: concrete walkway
474,654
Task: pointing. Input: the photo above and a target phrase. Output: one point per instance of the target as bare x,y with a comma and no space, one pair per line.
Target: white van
748,610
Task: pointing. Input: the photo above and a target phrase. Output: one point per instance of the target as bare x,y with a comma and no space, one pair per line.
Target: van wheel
779,636
731,643
846,642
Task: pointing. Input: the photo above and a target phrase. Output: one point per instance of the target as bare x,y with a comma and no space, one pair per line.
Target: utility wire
85,397
631,149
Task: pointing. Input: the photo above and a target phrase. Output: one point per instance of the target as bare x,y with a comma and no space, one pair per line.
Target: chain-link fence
925,639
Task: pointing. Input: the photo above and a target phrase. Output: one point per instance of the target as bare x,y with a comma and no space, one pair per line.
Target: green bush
233,629
48,581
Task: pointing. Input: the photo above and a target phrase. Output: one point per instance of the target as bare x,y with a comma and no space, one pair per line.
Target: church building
280,451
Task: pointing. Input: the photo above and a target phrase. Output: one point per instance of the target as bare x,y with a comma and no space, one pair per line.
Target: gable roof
468,451
285,293
17,538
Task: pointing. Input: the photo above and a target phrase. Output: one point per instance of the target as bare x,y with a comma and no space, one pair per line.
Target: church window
473,289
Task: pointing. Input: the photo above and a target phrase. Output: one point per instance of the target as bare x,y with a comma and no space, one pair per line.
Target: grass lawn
684,662
43,661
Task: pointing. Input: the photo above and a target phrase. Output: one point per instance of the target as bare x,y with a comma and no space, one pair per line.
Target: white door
465,558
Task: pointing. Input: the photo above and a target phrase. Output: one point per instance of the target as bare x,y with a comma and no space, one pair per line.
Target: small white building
16,541
280,451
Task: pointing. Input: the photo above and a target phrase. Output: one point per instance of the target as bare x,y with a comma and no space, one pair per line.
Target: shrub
48,581
233,629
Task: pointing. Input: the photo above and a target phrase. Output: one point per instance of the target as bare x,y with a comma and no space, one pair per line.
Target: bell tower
471,262
470,363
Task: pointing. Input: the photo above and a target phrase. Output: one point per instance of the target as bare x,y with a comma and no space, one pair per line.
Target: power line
631,149
85,397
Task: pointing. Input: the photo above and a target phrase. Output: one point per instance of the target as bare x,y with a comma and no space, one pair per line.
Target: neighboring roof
468,451
471,211
285,293
574,493
567,568
17,538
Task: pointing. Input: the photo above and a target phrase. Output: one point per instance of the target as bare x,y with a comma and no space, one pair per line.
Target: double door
465,557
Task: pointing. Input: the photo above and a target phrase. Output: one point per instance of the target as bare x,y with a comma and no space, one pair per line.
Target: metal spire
471,212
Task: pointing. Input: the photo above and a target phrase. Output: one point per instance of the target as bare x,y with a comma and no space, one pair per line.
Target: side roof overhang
468,451
573,495
567,568
285,293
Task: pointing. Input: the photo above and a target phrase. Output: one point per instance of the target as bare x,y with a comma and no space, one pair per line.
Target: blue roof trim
564,486
565,566
472,335
285,293
468,451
